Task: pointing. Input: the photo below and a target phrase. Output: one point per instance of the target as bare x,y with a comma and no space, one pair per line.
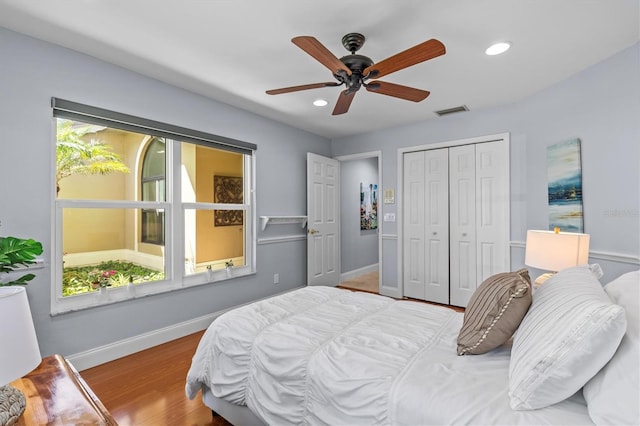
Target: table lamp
555,250
19,351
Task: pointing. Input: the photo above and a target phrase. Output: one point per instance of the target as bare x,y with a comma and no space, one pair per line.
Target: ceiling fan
354,70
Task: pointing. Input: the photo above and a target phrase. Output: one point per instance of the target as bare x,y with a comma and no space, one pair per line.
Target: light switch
389,217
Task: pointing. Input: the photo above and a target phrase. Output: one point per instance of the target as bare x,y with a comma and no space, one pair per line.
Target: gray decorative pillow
494,312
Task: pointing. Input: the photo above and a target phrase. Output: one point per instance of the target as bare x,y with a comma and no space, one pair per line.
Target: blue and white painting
564,177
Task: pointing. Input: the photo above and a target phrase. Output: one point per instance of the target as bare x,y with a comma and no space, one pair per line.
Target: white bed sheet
321,355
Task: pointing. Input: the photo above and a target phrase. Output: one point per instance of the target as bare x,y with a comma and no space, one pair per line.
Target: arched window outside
153,189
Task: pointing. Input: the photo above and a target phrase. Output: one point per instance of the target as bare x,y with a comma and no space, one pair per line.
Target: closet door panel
492,186
462,198
437,225
414,225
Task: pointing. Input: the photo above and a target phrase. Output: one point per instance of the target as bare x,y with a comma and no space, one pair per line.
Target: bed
323,355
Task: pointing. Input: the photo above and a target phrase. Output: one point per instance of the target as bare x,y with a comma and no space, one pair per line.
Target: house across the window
130,222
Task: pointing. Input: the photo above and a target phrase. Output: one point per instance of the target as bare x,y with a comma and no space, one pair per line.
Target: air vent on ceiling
452,110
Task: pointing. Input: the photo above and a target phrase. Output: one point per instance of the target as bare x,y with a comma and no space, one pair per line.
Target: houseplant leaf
16,253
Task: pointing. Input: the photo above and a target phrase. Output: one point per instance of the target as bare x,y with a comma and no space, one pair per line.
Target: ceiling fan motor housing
357,64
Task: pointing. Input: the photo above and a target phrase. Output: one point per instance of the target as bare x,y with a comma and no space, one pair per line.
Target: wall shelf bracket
282,220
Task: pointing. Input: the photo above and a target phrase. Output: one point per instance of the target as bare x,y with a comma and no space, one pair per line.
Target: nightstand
57,395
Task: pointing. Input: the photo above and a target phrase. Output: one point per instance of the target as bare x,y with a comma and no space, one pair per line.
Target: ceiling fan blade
301,87
397,91
316,49
414,55
344,102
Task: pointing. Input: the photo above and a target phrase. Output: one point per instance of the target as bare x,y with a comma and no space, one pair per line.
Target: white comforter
322,355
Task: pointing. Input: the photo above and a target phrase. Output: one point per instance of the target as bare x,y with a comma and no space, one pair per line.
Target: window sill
109,296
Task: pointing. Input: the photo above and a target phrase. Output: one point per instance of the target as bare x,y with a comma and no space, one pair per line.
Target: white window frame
174,248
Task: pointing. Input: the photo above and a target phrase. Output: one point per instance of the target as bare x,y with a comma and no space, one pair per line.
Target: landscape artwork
564,177
368,206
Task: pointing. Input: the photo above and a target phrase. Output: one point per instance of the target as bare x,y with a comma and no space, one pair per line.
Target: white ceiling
234,50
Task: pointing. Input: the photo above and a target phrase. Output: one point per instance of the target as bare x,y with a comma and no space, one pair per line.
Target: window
144,207
153,189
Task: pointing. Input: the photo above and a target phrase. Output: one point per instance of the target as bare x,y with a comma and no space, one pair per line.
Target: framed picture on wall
368,206
564,174
227,189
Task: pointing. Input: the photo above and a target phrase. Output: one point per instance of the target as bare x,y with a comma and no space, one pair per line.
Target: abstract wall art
564,178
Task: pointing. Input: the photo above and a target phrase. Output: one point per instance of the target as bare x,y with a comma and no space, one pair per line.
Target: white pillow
571,330
613,395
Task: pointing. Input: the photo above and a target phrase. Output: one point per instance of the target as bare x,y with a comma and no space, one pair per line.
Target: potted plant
17,253
228,266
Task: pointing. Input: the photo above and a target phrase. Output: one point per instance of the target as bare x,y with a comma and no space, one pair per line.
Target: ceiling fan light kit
354,70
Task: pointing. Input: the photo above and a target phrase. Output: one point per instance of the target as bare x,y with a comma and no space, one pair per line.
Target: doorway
360,218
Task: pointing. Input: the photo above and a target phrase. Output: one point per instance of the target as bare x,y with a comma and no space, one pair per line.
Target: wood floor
367,282
147,388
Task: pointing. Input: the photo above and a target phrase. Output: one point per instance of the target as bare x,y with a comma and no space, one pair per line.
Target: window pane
101,250
154,160
209,244
152,229
102,163
211,175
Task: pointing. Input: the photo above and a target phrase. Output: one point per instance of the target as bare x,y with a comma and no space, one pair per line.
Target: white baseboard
345,276
112,351
100,355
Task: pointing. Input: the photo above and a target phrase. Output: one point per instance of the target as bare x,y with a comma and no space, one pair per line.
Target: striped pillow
571,331
494,312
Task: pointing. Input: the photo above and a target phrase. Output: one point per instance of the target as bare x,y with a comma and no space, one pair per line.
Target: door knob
313,231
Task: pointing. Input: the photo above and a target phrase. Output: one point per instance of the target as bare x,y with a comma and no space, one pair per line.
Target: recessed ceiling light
498,48
320,102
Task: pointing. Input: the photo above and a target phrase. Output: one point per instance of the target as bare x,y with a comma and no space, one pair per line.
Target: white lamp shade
552,251
19,351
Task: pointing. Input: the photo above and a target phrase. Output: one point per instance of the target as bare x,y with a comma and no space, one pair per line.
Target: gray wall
31,72
359,248
600,105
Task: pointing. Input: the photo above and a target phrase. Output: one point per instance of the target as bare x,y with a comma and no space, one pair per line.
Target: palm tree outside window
153,189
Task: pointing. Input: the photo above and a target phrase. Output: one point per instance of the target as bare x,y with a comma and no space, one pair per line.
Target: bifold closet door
426,225
462,223
479,216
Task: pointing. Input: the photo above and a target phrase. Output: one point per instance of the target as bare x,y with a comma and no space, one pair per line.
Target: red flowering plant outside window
101,278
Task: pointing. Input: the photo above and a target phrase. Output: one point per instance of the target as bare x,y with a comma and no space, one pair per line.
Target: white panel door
426,223
323,220
414,224
492,208
462,193
437,226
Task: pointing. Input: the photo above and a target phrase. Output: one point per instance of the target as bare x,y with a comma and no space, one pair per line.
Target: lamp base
542,278
12,405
